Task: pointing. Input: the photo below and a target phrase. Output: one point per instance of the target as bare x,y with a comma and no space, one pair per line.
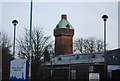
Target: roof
79,54
63,24
96,58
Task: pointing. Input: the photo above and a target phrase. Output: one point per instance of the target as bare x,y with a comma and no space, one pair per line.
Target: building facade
83,67
63,33
113,64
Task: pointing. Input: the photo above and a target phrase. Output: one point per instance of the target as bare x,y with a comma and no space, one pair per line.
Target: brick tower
63,33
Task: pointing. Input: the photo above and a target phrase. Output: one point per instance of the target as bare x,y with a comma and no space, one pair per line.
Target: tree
99,45
40,44
78,44
88,45
42,47
6,55
5,41
46,55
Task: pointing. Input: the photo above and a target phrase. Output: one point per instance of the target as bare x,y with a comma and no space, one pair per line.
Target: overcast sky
85,17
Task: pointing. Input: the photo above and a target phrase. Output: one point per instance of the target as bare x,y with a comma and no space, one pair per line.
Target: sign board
94,76
19,69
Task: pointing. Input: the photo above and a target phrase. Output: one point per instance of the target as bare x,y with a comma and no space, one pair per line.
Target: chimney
64,16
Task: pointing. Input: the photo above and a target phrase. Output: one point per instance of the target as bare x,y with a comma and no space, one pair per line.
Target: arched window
68,26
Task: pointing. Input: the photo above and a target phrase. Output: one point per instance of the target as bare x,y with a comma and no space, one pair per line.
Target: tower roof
64,23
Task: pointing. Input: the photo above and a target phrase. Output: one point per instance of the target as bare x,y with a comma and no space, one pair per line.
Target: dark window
59,58
91,68
93,56
77,57
67,26
113,57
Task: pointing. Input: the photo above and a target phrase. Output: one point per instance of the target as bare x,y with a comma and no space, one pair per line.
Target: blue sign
19,69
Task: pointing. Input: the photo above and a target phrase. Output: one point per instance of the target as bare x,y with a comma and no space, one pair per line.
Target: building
65,64
68,66
113,64
63,33
76,66
106,65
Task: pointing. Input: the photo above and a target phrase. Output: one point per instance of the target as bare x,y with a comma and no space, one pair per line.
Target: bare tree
78,44
40,43
88,45
99,45
5,41
5,44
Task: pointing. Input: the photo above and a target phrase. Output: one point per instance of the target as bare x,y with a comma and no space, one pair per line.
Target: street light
105,17
14,22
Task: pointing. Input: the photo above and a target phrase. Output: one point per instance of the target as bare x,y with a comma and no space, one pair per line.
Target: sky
85,17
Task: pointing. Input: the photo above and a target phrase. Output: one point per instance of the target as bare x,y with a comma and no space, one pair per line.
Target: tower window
68,26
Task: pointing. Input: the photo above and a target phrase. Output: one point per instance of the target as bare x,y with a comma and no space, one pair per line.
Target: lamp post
14,22
105,17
